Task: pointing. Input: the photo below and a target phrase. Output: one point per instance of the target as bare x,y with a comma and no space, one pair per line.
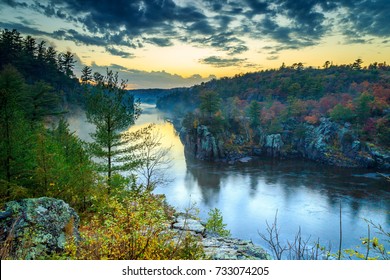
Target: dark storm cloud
13,4
220,24
201,27
120,53
257,7
222,62
367,17
137,17
23,28
161,42
292,23
224,41
79,38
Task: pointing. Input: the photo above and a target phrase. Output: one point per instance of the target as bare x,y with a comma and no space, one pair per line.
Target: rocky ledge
218,247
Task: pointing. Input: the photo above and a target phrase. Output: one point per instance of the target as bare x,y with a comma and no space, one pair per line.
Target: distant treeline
270,99
286,82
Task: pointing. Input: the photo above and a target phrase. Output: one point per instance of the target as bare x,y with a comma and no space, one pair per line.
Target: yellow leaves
196,123
375,242
135,228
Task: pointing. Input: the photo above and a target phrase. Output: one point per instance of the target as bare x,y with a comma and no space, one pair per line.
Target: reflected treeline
353,188
207,177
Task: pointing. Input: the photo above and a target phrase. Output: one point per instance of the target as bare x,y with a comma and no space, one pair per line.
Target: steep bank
327,142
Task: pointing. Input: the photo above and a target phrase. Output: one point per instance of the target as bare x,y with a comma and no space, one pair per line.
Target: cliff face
202,144
327,142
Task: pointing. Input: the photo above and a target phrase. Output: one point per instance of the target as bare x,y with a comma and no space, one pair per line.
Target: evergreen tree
254,113
86,75
111,109
15,144
209,102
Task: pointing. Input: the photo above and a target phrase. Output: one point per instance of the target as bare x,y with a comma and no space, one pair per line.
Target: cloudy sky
169,43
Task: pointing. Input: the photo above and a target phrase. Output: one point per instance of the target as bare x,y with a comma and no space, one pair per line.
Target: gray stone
189,224
221,248
245,159
38,227
217,247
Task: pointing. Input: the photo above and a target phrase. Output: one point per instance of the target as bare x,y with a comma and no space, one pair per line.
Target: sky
175,43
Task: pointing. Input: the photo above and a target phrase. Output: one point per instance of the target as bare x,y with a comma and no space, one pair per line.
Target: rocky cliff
327,142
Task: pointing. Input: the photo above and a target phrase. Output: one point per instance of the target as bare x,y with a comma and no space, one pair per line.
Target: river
304,194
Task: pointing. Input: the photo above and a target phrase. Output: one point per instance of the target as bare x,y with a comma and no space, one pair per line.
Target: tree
86,75
341,113
111,109
215,223
11,89
150,158
41,101
15,134
209,102
327,64
357,65
76,175
254,113
363,107
66,63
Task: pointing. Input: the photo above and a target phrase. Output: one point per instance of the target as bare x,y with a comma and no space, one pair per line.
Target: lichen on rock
38,227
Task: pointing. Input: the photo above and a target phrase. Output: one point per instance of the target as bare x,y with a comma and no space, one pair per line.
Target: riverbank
328,143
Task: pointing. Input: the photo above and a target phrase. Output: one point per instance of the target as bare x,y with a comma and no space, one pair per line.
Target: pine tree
111,109
210,102
15,134
254,113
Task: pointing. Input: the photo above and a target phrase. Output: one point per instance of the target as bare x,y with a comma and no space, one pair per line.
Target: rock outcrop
337,145
273,145
203,145
218,247
37,227
326,142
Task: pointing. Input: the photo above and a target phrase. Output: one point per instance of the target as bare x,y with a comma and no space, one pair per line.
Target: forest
244,110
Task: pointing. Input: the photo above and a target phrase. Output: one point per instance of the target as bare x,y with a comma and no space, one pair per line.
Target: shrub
215,223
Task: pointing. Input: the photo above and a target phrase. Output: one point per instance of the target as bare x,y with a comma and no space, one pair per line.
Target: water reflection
304,193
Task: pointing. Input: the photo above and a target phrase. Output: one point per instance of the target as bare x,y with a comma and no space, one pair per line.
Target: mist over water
78,124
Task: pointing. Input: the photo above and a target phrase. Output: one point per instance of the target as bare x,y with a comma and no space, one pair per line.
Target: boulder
227,248
37,227
217,247
189,224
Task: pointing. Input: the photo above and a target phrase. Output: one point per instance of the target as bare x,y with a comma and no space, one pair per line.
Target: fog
78,124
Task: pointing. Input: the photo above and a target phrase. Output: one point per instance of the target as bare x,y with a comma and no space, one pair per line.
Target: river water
304,194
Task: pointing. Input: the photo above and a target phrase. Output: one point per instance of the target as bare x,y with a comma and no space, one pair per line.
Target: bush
341,113
215,223
136,228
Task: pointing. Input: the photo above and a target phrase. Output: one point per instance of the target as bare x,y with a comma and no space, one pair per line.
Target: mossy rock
38,227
